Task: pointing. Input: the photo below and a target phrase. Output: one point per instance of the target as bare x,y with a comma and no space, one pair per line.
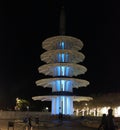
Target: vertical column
57,105
53,106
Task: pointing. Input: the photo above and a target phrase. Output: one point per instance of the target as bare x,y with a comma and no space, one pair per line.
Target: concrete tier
70,42
50,82
62,69
54,56
49,98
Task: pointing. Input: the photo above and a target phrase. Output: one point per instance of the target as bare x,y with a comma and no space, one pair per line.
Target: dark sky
25,24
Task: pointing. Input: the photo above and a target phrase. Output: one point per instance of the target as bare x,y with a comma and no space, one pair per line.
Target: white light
77,112
117,111
104,110
46,108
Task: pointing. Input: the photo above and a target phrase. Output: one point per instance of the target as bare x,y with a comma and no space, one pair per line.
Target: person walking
28,124
103,124
107,122
110,121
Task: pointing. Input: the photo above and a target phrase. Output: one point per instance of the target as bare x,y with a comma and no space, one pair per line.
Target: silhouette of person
60,116
110,120
107,122
103,123
29,122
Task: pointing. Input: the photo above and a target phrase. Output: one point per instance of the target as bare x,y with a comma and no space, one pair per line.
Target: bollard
10,124
37,121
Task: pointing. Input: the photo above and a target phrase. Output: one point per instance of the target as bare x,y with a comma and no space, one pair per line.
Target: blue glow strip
68,102
57,105
63,98
67,57
63,84
63,57
58,85
67,71
63,45
58,70
62,70
53,106
58,57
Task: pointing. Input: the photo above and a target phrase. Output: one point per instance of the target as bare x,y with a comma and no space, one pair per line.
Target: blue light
67,71
68,105
63,57
58,105
62,104
58,57
62,45
53,106
68,86
63,84
66,57
58,85
63,70
63,101
58,70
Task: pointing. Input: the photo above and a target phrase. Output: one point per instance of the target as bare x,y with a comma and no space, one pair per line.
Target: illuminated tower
62,57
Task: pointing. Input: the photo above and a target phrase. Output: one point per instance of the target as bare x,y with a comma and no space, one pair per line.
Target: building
62,57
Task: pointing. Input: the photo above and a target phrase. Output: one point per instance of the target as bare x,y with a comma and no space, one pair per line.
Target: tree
22,104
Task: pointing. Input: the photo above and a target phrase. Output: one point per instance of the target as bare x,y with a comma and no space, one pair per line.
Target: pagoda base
63,105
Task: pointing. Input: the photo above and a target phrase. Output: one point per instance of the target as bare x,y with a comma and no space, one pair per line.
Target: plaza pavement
50,125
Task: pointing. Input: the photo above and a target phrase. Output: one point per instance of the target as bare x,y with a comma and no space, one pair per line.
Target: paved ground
54,125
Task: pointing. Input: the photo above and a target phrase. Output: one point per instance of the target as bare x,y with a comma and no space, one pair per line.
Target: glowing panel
69,106
63,45
57,105
58,85
62,104
63,101
53,106
58,57
58,71
66,57
62,71
67,71
62,85
63,57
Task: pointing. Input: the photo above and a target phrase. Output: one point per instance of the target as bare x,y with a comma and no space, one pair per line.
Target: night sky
25,24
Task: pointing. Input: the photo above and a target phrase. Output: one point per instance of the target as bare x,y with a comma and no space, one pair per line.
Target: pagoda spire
62,21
